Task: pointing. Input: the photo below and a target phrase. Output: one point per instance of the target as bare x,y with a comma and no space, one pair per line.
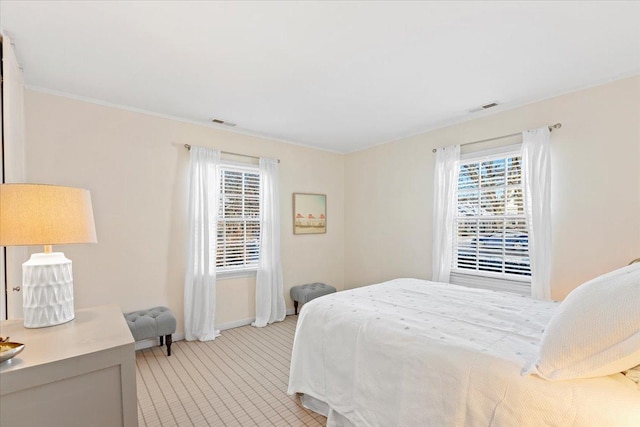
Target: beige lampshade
36,214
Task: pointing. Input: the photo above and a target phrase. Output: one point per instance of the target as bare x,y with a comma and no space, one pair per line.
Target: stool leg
168,345
295,307
161,340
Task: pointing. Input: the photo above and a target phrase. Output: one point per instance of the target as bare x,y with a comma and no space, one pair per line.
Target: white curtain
445,185
269,284
536,179
200,275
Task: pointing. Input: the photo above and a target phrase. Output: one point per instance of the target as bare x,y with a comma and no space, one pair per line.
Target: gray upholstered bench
155,322
305,293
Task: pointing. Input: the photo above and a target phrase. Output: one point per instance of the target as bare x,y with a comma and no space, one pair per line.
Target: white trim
505,106
244,322
495,284
234,274
176,118
503,277
236,324
467,117
154,342
245,166
491,153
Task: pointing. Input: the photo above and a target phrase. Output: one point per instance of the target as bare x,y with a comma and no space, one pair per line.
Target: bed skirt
334,419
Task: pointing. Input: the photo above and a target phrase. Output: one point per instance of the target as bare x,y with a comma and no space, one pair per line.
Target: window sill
492,283
223,275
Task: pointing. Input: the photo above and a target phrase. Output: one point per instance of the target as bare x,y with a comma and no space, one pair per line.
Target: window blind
238,239
490,228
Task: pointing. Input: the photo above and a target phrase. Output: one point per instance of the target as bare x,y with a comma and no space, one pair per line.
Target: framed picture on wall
309,213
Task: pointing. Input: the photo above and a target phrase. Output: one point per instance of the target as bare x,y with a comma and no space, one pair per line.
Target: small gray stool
155,322
305,293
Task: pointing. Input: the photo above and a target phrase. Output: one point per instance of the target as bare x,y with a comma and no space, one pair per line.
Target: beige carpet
239,379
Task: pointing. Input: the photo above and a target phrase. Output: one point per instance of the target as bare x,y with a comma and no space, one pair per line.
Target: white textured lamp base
47,283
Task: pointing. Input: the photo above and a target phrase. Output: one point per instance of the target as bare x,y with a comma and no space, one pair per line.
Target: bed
411,352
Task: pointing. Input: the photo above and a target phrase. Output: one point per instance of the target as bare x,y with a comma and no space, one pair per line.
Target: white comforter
414,353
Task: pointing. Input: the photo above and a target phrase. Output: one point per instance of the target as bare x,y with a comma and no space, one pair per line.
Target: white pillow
595,331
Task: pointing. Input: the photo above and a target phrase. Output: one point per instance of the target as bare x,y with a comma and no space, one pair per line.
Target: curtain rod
551,128
188,147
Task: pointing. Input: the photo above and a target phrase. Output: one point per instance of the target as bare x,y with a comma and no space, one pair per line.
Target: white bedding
414,353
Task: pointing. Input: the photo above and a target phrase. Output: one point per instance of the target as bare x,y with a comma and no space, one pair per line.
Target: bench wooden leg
161,341
295,307
169,341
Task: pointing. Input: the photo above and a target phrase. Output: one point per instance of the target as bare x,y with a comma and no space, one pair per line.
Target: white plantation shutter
238,240
491,237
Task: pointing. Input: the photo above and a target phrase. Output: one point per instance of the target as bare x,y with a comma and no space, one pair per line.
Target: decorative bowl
9,349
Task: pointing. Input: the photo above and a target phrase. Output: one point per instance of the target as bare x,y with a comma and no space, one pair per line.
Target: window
491,238
238,240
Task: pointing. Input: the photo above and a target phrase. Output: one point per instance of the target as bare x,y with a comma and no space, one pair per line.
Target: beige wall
595,188
379,200
135,166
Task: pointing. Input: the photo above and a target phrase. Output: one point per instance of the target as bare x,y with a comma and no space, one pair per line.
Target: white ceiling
340,76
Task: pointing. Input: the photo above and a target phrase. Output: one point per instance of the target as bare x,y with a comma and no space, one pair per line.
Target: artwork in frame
309,213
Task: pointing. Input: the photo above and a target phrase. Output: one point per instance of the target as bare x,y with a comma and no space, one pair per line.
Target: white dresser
81,373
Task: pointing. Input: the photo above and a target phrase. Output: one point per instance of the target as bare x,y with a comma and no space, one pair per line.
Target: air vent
484,107
222,122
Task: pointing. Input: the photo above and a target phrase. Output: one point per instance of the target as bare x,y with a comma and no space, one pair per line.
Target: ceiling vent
484,107
222,122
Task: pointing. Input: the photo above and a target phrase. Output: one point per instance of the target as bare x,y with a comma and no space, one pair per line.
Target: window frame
499,281
226,272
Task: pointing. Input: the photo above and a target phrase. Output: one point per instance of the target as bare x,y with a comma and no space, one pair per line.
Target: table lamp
36,214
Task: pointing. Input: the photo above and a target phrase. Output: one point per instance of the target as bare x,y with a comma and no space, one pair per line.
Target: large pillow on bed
595,331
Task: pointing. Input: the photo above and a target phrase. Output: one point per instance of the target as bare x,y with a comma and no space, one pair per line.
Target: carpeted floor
239,379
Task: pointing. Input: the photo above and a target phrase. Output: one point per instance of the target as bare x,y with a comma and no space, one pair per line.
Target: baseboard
244,322
152,342
235,324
